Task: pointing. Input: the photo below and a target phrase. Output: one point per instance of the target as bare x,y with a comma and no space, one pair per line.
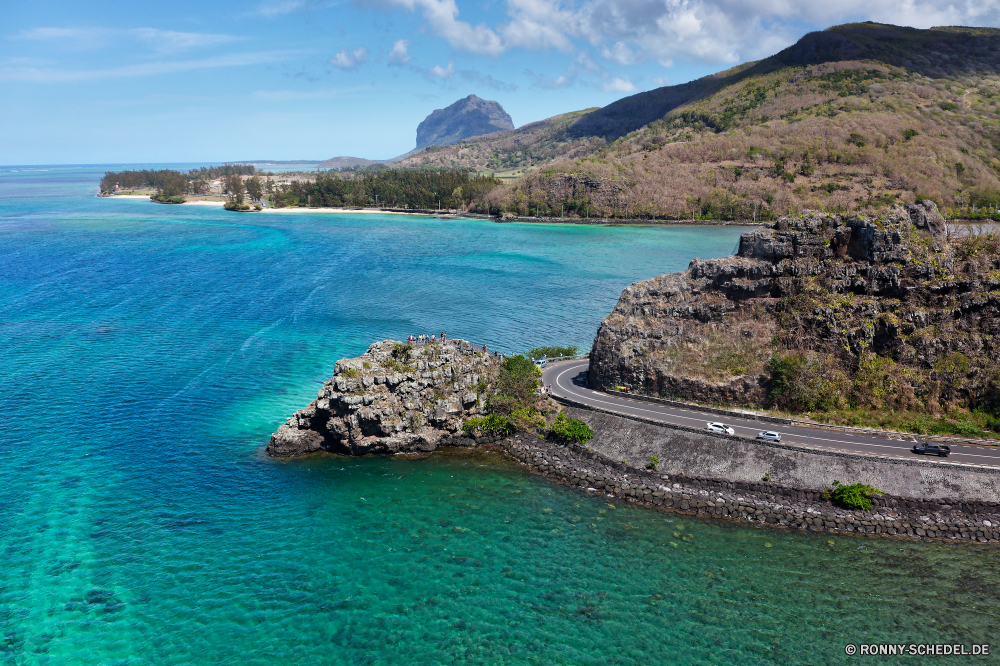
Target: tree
254,188
234,187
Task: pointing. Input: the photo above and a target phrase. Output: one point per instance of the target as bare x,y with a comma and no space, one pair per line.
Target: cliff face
818,312
393,398
465,118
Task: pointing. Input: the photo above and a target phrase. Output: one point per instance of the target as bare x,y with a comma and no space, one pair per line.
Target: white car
720,428
769,435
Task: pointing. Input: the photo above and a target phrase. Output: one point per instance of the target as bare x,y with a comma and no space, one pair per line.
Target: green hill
852,119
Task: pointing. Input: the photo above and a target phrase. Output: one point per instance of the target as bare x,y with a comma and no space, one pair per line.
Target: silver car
769,435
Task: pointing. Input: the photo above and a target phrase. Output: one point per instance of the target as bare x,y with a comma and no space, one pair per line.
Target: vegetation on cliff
890,321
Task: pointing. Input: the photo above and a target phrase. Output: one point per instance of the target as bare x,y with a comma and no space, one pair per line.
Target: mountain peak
468,117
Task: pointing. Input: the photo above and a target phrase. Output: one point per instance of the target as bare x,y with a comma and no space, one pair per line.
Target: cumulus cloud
442,19
442,73
487,80
619,85
399,55
582,65
620,53
348,60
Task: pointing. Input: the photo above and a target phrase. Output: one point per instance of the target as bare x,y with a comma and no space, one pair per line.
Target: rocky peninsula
819,313
394,398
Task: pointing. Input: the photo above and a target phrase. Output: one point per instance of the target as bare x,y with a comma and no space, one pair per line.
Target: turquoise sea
148,352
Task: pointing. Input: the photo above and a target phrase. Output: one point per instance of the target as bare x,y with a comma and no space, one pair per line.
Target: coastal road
569,380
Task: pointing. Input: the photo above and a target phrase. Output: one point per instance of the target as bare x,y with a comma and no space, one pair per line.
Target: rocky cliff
465,118
393,398
819,312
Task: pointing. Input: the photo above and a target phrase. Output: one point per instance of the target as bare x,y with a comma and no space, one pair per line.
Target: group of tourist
425,339
421,340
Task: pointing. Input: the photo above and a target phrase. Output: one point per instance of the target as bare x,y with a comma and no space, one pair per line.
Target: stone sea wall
762,503
702,454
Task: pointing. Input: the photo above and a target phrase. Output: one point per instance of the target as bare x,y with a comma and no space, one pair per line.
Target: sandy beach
354,211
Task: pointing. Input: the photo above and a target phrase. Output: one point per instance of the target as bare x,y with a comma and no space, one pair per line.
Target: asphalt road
569,380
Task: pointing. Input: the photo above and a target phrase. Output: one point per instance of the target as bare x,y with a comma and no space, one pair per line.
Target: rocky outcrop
394,398
840,291
465,118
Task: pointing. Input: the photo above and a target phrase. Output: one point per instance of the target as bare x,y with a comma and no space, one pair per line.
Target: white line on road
799,438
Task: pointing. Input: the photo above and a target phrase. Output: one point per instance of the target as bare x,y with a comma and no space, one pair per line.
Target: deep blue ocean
147,352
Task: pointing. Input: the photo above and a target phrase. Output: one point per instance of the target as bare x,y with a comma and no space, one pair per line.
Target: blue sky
99,82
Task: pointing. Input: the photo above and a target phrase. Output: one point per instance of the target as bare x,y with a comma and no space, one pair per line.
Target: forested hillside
394,188
853,119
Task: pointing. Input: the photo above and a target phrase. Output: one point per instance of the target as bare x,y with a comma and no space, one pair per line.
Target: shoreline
305,209
454,214
761,504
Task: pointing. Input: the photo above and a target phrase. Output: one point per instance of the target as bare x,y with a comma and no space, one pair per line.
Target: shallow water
150,350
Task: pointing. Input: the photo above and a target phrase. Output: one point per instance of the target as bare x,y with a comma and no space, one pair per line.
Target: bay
148,352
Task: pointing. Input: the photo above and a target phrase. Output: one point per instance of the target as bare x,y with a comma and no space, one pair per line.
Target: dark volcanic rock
841,291
390,400
465,118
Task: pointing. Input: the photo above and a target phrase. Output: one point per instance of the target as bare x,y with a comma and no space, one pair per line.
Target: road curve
568,379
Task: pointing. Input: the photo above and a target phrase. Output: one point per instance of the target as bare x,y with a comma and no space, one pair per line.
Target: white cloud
708,31
442,73
348,60
160,41
442,18
168,41
619,85
272,9
661,81
27,72
582,65
621,54
554,83
487,80
399,55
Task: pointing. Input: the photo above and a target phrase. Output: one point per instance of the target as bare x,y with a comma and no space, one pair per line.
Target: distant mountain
465,118
344,162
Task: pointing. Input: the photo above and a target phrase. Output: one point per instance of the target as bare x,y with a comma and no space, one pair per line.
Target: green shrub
653,463
492,424
349,372
853,496
160,197
401,352
573,430
519,379
909,134
527,420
